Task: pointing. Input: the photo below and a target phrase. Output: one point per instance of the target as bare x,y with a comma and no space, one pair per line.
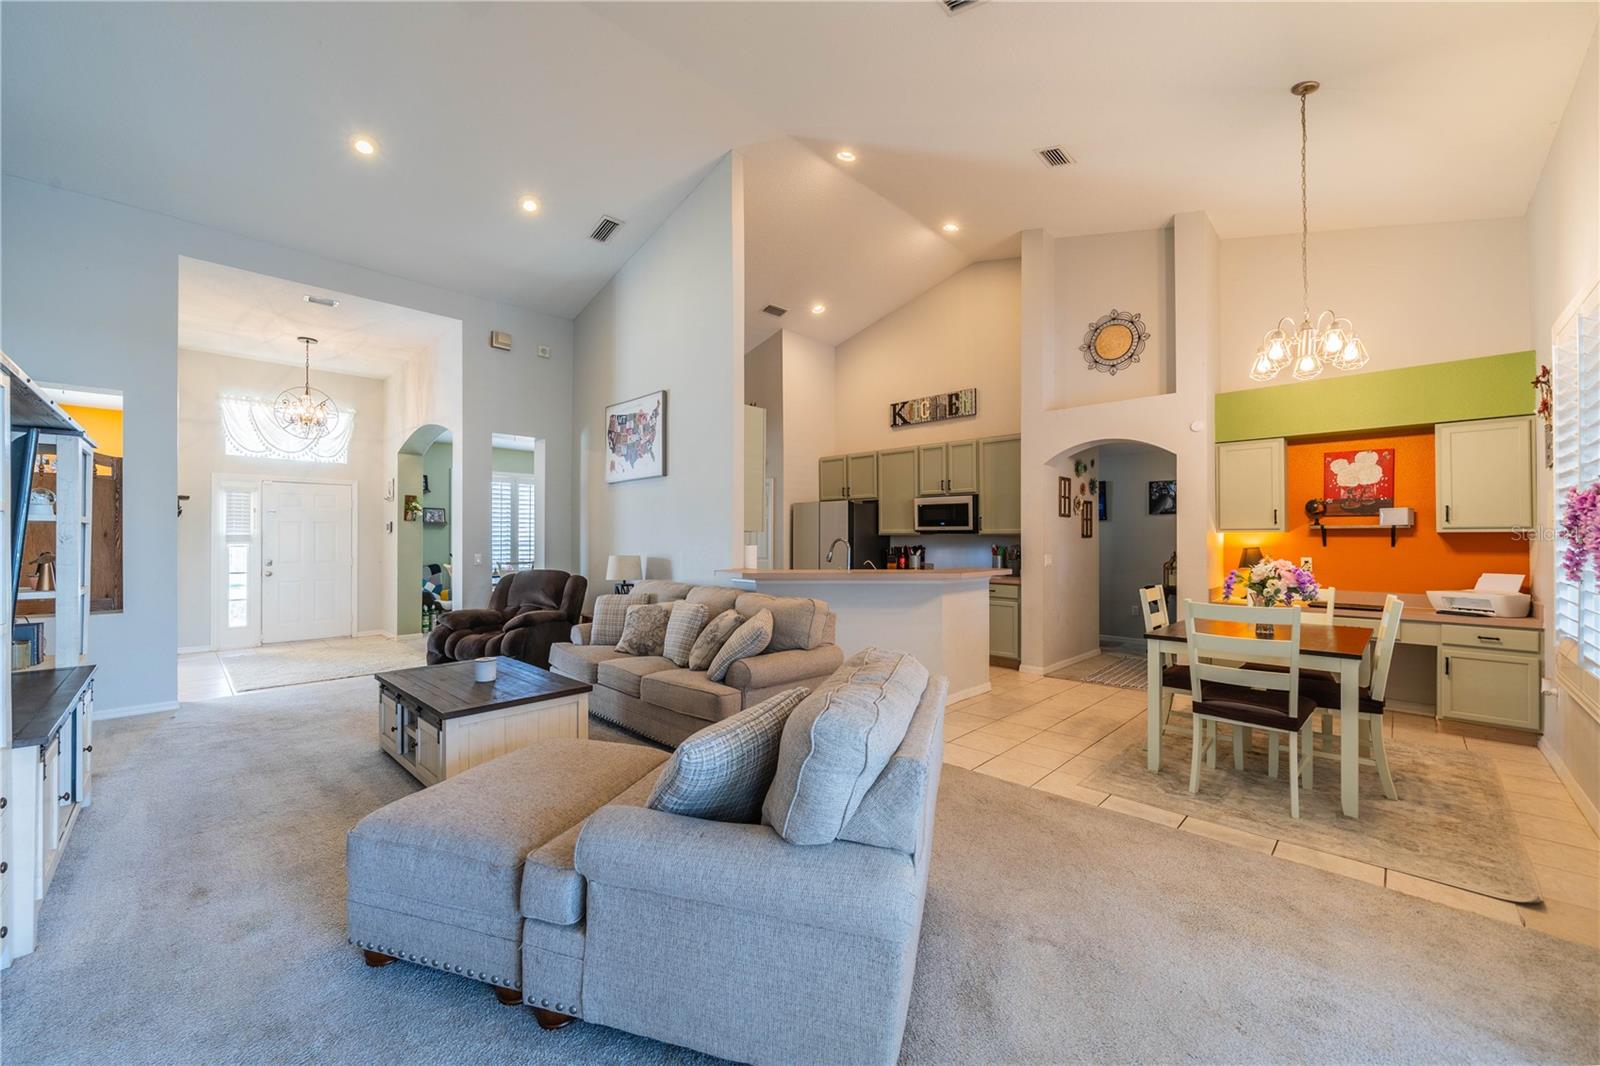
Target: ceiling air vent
775,311
1055,156
605,229
321,301
952,6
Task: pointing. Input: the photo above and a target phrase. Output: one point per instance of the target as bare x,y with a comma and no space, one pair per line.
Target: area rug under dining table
1451,823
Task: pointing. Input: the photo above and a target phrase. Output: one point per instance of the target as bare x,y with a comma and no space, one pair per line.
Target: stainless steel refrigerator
814,526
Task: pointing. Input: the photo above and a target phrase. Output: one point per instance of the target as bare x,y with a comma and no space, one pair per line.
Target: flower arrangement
1274,582
1580,528
1542,388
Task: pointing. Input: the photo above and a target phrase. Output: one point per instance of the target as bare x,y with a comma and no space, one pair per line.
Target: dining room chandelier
305,412
1312,344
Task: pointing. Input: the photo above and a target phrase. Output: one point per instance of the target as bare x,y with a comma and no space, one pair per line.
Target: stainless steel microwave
946,514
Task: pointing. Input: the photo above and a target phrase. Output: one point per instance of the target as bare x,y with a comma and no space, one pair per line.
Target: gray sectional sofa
652,697
546,874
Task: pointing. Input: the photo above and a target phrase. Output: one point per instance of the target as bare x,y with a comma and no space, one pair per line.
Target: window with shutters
1575,432
513,526
238,536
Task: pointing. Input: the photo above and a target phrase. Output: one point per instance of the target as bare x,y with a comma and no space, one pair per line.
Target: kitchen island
940,616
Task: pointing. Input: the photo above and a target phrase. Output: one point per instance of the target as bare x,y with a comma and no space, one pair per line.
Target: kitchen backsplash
954,550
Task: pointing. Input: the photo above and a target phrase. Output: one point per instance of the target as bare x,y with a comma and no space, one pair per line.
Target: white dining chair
1174,675
1322,609
1254,695
1371,698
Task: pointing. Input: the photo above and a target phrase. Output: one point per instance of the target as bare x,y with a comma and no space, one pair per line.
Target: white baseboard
1581,798
135,709
377,633
1026,668
968,693
195,649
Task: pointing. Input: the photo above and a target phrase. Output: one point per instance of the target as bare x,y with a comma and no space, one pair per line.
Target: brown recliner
528,611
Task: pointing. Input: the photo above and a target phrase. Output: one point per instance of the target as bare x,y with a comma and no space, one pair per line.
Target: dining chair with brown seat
1248,681
1174,675
1371,697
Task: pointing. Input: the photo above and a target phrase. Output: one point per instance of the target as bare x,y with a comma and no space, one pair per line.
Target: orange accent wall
103,424
1422,559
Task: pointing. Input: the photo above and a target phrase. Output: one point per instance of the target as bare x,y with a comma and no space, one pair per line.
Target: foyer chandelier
302,411
1306,348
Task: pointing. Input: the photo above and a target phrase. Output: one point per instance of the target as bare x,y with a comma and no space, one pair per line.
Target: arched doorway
422,527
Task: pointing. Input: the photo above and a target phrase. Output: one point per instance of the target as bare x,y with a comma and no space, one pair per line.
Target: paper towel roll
752,557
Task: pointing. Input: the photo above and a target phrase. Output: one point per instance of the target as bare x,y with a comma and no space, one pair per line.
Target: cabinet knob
2,803
4,866
88,747
64,797
3,932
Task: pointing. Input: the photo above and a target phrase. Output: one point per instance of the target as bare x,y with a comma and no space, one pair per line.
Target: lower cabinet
1005,621
1488,686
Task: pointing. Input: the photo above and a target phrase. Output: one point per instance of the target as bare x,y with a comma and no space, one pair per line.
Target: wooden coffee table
436,721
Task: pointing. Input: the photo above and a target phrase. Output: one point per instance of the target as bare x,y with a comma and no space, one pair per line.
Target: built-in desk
1457,667
52,724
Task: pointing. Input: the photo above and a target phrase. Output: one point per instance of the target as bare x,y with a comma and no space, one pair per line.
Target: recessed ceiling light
817,309
528,204
951,227
845,155
364,145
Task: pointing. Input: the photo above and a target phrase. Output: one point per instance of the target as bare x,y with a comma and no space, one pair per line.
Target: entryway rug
273,666
1107,668
1452,822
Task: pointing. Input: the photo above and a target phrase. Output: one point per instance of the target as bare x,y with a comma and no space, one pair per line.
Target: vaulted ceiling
239,116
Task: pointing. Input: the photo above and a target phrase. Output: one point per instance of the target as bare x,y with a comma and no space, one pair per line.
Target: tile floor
1051,733
201,676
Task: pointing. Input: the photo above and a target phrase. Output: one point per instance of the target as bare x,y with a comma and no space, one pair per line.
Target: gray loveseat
543,874
651,696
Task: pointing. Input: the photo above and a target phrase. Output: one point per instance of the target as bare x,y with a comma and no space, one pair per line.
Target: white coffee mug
484,669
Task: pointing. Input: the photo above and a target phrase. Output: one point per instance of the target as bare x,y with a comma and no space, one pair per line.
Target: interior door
307,561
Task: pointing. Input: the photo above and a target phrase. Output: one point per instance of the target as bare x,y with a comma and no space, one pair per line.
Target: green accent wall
436,539
1492,386
512,461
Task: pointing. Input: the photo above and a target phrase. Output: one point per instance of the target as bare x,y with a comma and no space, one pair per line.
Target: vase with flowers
1273,583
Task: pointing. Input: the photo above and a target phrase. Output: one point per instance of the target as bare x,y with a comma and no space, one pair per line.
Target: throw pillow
683,627
711,639
751,638
838,741
722,772
644,629
610,612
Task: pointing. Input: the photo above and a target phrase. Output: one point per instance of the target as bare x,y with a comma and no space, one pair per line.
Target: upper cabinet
963,466
897,488
1484,474
1251,493
947,467
1000,484
848,477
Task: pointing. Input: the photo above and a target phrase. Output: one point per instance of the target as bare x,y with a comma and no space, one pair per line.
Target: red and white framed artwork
1361,482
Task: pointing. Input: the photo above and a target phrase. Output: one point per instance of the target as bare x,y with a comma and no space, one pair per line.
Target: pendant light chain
1305,224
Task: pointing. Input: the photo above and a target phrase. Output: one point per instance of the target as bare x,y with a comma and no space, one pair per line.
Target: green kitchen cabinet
1005,621
962,475
932,469
1000,484
861,476
831,477
897,488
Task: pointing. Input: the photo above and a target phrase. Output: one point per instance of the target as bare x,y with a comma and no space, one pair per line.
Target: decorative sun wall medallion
1114,341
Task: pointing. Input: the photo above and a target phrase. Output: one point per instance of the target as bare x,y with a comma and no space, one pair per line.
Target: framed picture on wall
636,438
1163,497
1105,500
434,516
1357,483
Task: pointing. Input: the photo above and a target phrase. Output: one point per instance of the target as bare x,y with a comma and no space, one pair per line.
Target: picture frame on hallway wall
636,438
1163,497
1104,498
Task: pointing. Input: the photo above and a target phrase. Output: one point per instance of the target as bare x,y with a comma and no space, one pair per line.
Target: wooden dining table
1340,650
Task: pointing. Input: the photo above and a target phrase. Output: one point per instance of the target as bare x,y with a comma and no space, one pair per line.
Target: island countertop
866,576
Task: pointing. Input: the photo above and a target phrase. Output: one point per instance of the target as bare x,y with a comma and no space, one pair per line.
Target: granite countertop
1418,609
40,700
867,576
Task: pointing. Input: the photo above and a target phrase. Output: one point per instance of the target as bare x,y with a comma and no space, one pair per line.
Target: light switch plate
1047,560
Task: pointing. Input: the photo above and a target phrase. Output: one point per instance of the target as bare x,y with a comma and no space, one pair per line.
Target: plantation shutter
500,521
525,524
513,531
1576,439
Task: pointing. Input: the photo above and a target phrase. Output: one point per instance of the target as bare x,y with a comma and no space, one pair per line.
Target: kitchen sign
935,408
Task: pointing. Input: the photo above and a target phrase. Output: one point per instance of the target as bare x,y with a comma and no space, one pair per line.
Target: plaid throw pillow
711,638
749,639
722,772
687,620
644,631
610,612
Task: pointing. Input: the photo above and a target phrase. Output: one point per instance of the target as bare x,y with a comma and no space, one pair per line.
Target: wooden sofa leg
549,1019
508,997
376,958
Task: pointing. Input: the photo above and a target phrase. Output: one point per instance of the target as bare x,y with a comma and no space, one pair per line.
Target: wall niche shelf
1324,528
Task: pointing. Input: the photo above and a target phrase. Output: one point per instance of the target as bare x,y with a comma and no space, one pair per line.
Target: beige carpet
1451,823
276,665
198,917
1108,668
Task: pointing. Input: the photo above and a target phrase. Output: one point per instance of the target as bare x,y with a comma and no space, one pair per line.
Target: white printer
1494,596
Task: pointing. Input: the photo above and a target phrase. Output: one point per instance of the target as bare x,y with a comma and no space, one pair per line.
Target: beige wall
202,379
1415,294
963,332
1129,272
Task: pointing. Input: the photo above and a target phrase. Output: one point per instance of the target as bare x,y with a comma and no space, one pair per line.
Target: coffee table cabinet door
388,722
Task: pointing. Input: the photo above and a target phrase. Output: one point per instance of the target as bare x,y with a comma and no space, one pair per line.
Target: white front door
307,560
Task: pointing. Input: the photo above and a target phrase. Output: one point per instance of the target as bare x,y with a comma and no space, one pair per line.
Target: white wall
809,389
1563,235
90,296
1134,544
763,387
1129,272
202,379
1415,294
671,319
962,332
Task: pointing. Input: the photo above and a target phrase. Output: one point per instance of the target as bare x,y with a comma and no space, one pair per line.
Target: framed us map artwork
636,438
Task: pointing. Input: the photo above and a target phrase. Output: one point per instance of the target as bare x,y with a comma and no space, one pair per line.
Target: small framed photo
434,516
1163,497
1105,500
